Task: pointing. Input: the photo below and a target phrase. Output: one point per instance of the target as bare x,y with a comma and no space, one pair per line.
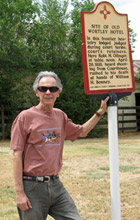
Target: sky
132,8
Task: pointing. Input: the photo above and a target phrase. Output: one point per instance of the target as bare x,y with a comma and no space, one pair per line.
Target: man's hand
90,124
103,106
23,202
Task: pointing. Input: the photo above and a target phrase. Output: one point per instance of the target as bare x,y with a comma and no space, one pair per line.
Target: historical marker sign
106,51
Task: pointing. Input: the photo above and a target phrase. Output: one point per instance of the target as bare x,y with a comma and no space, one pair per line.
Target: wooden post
2,122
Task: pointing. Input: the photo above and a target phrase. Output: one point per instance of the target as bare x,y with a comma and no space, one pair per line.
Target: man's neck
47,109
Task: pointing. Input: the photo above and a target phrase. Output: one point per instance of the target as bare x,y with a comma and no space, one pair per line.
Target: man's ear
36,92
58,94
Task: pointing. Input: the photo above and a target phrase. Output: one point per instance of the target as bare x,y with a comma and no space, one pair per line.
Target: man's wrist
98,114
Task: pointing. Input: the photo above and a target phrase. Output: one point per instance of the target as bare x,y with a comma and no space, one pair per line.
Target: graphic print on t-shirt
50,136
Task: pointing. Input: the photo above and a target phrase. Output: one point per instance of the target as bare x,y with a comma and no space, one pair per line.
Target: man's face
47,98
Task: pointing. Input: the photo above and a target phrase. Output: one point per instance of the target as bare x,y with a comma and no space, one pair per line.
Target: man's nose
48,91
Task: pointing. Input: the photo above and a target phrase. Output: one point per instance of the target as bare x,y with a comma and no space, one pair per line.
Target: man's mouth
46,97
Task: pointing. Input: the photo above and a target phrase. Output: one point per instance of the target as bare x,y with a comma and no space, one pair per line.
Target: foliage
16,18
49,36
132,37
75,34
137,80
43,35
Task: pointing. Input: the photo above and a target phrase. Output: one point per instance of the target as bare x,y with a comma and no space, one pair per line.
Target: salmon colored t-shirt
41,138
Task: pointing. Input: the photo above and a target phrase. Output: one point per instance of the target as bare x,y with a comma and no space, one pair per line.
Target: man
37,138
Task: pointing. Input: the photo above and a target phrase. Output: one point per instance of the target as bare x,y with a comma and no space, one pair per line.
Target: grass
86,175
94,174
124,168
127,168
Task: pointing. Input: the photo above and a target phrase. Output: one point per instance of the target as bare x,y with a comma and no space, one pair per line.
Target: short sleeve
18,134
72,131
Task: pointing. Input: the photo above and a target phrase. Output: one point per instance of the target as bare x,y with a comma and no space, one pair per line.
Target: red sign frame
87,89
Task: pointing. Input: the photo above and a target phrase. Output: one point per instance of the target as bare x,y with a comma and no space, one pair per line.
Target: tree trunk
2,122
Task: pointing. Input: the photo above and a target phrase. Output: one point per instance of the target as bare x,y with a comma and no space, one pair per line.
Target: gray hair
47,74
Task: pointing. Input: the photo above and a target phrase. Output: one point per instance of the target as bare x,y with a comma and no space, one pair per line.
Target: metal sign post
114,156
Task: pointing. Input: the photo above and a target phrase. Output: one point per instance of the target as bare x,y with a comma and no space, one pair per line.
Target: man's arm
90,124
22,201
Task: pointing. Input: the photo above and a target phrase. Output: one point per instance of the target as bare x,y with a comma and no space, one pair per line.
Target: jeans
48,198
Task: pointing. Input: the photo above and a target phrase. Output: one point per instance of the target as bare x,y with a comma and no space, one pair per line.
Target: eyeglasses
45,88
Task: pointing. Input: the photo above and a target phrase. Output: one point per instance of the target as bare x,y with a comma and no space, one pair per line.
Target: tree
16,17
77,99
49,34
75,34
36,37
132,37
